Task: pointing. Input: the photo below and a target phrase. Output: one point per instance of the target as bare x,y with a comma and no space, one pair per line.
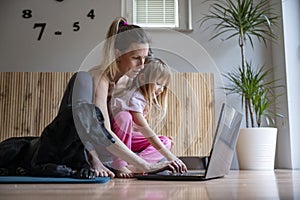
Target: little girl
145,99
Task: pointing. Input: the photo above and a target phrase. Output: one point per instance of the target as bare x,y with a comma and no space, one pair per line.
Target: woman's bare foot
101,170
97,165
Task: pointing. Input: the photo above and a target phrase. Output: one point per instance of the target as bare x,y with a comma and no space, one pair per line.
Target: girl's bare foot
124,172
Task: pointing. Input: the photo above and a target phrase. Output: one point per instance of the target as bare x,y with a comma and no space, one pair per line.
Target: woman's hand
179,166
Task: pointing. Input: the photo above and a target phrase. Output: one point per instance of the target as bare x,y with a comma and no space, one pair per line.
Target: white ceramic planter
256,148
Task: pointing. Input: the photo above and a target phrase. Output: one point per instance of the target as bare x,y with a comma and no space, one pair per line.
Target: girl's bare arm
151,136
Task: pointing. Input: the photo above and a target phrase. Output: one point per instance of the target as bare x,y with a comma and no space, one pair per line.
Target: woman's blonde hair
120,35
155,70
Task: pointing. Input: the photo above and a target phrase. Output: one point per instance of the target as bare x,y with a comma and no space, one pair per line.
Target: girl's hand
174,166
172,141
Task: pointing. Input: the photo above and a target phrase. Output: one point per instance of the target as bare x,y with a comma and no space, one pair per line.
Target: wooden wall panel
191,114
30,100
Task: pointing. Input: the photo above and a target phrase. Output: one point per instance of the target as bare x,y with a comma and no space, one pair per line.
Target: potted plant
245,20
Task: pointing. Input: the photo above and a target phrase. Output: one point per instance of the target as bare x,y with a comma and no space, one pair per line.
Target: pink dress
123,126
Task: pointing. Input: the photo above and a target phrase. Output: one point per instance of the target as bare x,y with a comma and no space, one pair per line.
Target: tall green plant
244,19
252,84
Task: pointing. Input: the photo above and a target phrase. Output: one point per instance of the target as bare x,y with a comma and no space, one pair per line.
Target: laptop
218,163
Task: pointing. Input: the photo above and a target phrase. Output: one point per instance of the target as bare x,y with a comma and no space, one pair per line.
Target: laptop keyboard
188,174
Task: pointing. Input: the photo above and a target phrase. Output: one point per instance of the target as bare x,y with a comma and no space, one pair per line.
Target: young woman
145,99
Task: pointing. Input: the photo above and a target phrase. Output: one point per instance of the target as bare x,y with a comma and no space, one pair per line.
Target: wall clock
41,26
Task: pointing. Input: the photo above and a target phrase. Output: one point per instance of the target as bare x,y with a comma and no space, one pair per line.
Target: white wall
21,51
291,29
283,149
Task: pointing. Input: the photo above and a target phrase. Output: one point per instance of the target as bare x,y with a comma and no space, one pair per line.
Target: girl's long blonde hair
155,70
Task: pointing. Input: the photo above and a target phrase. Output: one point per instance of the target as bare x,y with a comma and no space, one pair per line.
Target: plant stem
246,99
251,113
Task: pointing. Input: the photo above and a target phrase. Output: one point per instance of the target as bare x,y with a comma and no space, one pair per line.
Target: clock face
40,27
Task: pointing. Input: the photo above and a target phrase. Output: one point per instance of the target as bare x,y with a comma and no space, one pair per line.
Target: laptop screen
224,142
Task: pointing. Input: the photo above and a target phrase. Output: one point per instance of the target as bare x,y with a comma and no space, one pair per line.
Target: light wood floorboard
278,184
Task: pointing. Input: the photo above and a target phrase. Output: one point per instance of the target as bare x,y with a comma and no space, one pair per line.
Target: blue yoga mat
30,179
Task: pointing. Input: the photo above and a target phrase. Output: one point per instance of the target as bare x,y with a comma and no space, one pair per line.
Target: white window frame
184,15
175,25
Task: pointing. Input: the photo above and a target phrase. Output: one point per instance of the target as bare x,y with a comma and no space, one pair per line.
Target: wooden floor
278,184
